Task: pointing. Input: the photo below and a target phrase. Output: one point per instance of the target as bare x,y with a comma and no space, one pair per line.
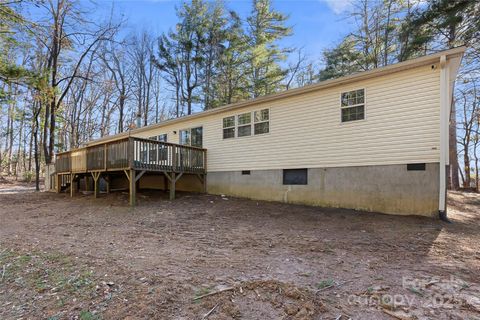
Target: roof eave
405,65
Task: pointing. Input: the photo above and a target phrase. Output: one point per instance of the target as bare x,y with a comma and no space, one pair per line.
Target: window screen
353,105
197,137
229,127
244,124
261,119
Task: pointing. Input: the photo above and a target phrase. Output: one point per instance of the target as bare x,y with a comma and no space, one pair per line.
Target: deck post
205,171
132,188
131,153
96,189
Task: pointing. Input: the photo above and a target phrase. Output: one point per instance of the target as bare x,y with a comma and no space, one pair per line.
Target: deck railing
133,153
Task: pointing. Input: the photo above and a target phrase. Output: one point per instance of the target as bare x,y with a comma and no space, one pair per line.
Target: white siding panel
401,126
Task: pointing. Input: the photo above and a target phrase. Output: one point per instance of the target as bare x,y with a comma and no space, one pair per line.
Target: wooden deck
134,156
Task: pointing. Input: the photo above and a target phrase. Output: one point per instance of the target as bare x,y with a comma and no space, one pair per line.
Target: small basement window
295,176
416,167
353,105
245,172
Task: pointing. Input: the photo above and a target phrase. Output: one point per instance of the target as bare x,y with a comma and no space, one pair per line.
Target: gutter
449,66
444,146
405,65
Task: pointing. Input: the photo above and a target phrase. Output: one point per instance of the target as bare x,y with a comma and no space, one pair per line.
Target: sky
317,24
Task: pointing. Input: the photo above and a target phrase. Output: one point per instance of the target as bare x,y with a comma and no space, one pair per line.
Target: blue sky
317,24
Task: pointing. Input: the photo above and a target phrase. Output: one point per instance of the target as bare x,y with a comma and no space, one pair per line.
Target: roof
413,63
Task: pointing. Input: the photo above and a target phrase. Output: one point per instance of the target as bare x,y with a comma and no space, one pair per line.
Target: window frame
353,106
152,152
238,125
163,134
190,135
159,153
285,183
268,121
234,127
251,124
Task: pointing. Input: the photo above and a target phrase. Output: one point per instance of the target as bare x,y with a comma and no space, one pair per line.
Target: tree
447,24
341,61
230,83
10,21
143,72
214,48
64,34
468,127
375,41
114,58
264,28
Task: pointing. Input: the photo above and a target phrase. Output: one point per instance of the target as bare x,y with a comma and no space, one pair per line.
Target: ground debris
68,258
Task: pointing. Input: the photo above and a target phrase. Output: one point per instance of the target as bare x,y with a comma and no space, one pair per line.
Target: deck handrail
133,153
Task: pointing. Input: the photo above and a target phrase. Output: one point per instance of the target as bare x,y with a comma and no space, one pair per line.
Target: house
376,140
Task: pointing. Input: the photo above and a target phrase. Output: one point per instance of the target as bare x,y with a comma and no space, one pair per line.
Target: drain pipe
444,146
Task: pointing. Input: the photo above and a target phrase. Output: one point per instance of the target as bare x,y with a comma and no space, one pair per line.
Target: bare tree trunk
11,118
462,176
454,183
466,163
36,113
19,148
30,146
476,168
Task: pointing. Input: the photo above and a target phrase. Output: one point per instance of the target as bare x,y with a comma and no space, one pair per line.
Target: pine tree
343,60
264,28
231,83
10,21
447,24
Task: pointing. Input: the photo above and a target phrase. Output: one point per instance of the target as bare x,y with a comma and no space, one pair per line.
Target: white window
261,119
353,105
185,137
244,124
162,137
229,127
197,137
152,152
192,137
156,151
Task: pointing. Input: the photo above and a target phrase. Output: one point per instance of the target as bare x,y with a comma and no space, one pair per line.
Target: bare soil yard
81,258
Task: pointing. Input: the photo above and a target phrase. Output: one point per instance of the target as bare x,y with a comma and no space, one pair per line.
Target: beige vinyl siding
402,125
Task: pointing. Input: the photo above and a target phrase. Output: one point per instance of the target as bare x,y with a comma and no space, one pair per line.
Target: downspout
444,147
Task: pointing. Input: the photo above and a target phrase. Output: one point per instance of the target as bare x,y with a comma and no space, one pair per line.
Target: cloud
338,6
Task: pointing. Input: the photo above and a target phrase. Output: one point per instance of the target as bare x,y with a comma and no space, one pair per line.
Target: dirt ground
208,257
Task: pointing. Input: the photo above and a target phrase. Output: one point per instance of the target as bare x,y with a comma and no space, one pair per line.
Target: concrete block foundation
388,189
